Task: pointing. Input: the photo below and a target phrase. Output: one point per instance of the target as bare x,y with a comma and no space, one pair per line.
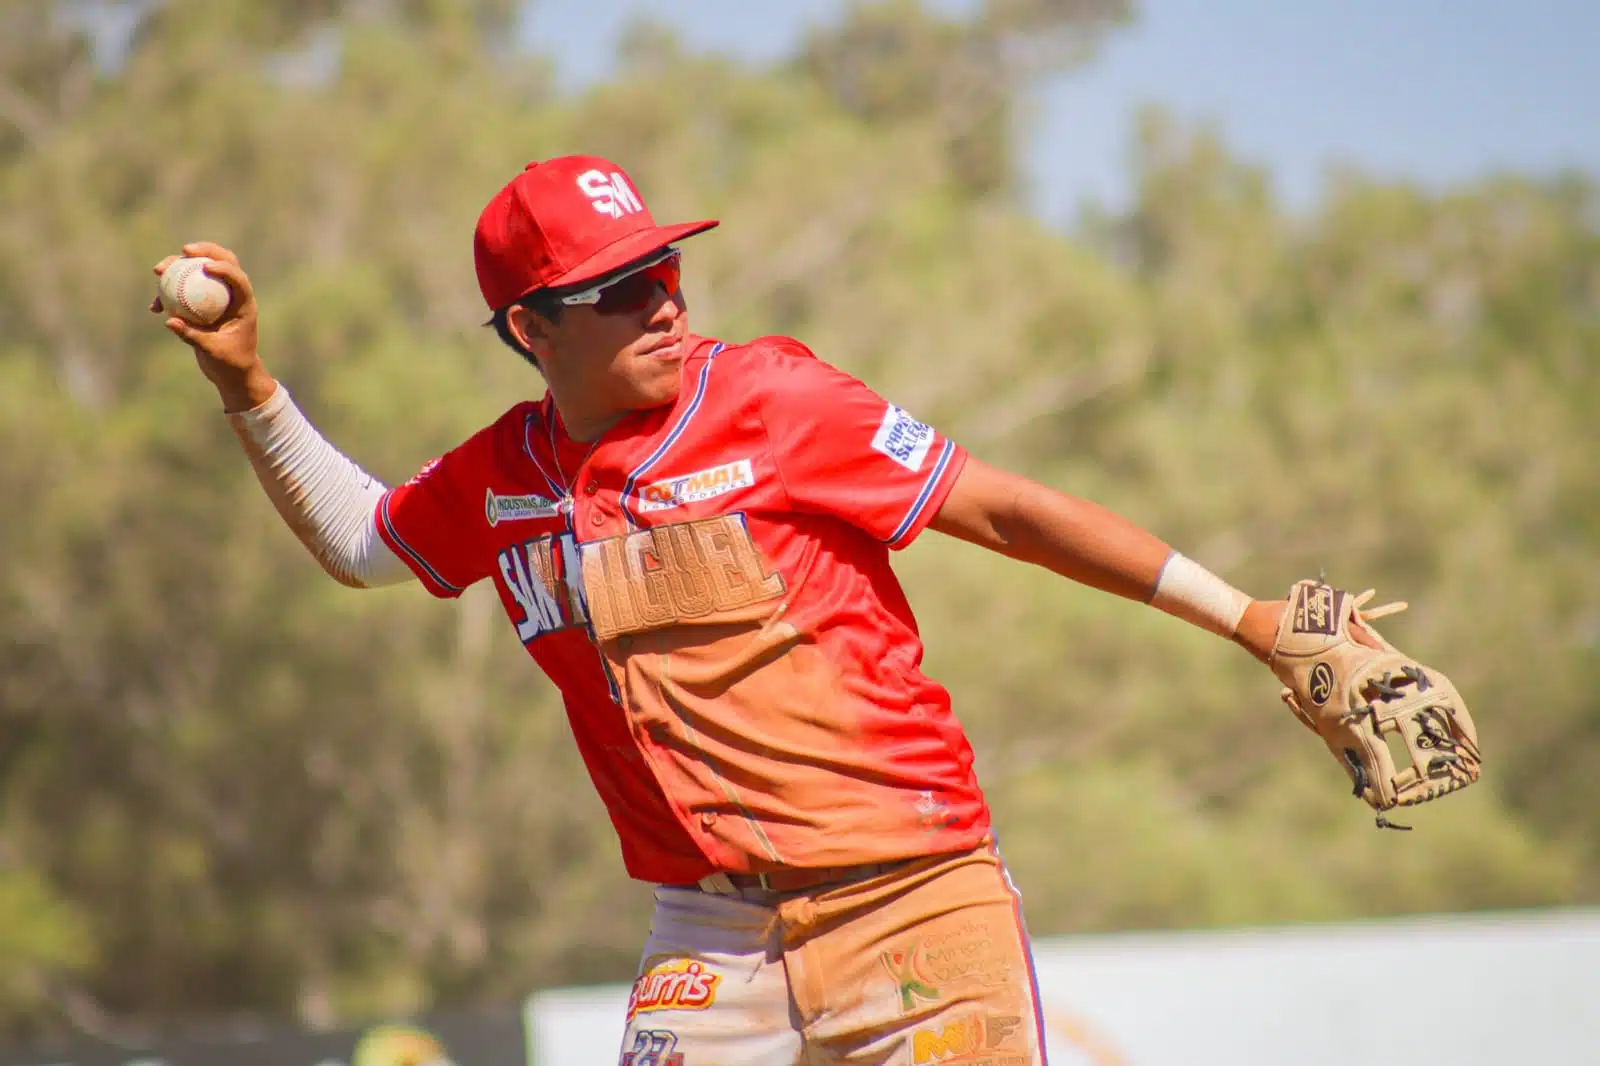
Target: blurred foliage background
229,786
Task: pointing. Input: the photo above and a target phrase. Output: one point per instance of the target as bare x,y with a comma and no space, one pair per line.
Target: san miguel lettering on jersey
673,574
648,579
536,574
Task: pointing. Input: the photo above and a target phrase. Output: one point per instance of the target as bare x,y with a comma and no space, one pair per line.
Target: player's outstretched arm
1344,682
324,498
1087,543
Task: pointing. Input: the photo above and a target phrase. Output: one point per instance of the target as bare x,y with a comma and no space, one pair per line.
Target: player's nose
665,308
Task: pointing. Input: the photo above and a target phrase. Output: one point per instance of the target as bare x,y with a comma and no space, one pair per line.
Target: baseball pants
926,964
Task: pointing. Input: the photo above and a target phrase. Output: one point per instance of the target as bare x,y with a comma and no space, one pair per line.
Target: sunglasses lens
634,292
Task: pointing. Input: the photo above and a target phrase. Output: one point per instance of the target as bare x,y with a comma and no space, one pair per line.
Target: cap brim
634,246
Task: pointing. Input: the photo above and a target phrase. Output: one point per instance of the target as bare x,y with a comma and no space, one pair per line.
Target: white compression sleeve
327,500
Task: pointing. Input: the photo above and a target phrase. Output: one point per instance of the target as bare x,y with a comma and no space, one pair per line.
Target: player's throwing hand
225,349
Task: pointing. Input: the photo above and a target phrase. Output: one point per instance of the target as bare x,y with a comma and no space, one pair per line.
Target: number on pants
653,1047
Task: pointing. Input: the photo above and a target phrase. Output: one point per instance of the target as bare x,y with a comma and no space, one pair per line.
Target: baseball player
691,538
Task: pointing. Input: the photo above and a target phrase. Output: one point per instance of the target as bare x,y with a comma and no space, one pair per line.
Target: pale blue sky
1429,90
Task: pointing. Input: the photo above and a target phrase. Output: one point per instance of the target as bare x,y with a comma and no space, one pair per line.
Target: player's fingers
234,277
210,250
184,331
161,267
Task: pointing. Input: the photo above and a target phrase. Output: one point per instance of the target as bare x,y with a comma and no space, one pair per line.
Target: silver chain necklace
566,503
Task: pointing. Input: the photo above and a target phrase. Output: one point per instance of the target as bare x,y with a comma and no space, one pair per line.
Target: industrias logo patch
903,439
692,488
518,508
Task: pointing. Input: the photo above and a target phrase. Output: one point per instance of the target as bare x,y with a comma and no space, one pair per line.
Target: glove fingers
1385,611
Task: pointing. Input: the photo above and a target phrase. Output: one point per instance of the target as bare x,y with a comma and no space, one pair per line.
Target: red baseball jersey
740,667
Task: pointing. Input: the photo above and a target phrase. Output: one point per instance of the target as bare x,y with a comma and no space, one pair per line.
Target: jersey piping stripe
922,497
672,438
394,535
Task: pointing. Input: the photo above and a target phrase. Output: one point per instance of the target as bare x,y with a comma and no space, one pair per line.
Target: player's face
623,352
631,359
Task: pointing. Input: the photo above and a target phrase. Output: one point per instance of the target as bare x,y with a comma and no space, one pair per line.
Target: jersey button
592,487
598,519
708,819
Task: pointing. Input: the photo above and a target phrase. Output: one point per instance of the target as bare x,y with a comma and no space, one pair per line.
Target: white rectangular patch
692,488
903,439
499,509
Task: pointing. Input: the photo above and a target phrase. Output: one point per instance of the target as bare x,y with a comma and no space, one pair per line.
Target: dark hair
540,304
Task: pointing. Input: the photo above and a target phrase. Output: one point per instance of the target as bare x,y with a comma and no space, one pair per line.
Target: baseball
193,295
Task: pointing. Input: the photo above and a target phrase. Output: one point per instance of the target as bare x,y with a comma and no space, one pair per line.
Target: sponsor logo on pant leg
963,958
914,986
681,984
978,1039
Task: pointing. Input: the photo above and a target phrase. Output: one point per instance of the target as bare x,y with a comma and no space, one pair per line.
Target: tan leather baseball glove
1355,698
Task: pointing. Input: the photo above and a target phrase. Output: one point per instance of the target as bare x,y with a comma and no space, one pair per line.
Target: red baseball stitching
183,289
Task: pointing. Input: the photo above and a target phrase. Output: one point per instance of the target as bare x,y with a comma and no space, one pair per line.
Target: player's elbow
347,580
983,508
337,569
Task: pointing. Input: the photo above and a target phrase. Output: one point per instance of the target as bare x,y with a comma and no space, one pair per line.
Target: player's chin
655,385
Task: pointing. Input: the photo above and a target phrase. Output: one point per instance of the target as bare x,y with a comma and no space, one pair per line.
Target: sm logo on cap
610,194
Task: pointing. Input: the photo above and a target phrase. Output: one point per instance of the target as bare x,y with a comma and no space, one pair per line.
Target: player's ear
532,331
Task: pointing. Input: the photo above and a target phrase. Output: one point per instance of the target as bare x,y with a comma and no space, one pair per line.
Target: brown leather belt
796,879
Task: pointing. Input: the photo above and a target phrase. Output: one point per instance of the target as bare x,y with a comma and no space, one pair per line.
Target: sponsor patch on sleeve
903,439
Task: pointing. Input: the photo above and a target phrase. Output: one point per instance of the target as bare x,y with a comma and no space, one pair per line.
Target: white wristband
1189,591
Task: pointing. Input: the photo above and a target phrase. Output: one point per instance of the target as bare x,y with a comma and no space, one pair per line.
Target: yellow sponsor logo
964,1038
681,984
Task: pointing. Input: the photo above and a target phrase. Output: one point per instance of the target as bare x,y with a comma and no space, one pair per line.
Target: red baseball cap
563,221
